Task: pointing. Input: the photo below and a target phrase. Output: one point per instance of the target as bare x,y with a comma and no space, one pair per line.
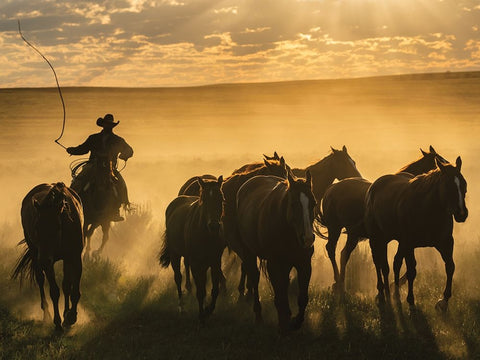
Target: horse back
176,217
192,187
381,204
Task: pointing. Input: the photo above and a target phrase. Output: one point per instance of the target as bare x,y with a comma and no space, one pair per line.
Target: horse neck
426,188
322,176
415,168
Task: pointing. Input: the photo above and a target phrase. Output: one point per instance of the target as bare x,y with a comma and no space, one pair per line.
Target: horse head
275,167
342,165
300,206
453,189
49,212
211,201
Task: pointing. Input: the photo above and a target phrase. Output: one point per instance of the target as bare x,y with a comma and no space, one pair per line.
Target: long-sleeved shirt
104,145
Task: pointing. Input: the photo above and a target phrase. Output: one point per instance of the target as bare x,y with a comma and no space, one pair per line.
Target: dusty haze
181,132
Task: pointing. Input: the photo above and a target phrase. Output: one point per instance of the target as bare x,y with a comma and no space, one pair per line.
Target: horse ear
220,180
439,165
266,163
275,156
344,149
282,161
458,162
432,150
423,152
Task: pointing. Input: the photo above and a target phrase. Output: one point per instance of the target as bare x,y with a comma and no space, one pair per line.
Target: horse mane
426,183
319,163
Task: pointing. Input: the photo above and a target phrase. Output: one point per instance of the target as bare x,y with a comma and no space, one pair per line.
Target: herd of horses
270,212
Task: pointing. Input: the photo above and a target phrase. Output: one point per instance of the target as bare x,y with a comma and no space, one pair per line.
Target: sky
150,43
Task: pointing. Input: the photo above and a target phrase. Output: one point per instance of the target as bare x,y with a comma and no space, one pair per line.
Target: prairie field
128,307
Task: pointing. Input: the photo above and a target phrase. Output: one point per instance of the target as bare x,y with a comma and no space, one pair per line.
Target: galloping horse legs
447,255
397,265
67,288
253,277
411,273
304,273
74,271
40,277
105,236
188,283
54,291
333,235
216,270
175,261
243,278
377,245
352,241
199,273
279,276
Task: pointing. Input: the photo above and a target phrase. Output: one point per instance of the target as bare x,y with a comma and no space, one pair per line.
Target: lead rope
56,80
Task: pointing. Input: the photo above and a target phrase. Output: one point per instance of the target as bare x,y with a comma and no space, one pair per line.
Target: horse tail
164,256
25,267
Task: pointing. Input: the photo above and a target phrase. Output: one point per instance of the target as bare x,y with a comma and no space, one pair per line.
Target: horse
52,221
343,206
230,187
254,166
98,198
275,223
193,231
417,212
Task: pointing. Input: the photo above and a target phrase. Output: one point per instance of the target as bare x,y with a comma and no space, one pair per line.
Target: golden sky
185,42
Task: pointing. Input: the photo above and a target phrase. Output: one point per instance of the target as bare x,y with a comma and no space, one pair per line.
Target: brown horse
343,206
192,231
417,212
253,166
52,220
98,198
275,223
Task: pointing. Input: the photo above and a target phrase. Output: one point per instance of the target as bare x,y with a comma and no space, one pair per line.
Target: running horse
193,231
52,220
98,200
275,223
417,212
343,206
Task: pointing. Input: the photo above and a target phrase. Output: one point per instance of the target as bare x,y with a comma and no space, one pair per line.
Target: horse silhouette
99,204
417,212
343,206
275,223
193,231
52,220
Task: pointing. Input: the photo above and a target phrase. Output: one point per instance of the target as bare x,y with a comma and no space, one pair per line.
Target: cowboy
104,146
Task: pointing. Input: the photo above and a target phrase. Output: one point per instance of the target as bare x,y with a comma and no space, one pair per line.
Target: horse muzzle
308,240
461,215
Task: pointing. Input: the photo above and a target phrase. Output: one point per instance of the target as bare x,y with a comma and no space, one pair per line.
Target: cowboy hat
107,121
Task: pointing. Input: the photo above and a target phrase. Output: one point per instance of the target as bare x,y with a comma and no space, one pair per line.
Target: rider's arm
126,151
81,149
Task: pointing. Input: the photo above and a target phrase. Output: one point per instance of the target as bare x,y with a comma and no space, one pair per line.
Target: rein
56,80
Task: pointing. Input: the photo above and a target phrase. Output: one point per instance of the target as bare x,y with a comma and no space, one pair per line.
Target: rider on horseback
105,147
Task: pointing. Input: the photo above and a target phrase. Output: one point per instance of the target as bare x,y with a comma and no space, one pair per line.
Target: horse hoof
380,299
70,318
442,306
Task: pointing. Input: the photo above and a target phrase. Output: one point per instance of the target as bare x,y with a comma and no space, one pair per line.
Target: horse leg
279,277
199,273
304,273
352,241
54,292
447,256
188,283
397,265
253,277
376,255
74,269
105,236
177,274
333,235
243,278
216,281
385,268
67,288
411,274
88,231
40,277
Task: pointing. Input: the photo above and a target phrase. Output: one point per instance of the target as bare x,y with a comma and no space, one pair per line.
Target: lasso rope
56,80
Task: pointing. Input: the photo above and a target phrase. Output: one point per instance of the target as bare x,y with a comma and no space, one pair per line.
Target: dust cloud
177,133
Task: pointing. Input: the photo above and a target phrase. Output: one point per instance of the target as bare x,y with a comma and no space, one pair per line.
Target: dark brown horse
275,223
253,166
417,212
343,206
98,198
193,231
52,220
